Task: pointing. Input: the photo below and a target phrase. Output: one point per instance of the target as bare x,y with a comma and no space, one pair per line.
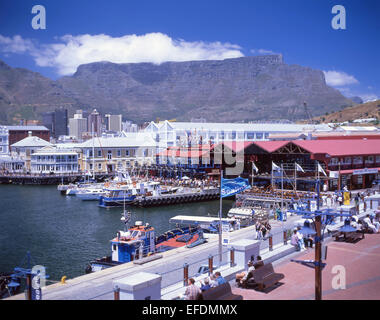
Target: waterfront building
11,164
51,159
186,134
77,125
24,148
4,140
108,154
17,133
113,122
354,163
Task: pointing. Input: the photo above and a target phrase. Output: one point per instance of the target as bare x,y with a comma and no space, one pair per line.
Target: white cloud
369,97
71,51
262,51
338,78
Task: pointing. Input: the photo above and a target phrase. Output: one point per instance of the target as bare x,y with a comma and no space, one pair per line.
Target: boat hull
106,202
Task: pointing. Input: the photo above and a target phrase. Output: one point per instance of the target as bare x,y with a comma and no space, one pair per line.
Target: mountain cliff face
240,89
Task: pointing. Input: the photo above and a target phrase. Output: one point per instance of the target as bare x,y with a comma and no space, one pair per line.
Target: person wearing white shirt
367,220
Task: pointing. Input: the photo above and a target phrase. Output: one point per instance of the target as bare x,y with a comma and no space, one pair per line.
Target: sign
36,287
334,174
365,171
225,233
347,199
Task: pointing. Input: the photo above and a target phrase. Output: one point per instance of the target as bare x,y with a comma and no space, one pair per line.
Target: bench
265,276
262,277
221,292
348,236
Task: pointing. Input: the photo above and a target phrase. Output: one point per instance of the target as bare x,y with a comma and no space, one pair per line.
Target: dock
45,179
177,198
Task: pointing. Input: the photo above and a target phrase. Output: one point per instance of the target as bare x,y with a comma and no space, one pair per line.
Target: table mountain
239,89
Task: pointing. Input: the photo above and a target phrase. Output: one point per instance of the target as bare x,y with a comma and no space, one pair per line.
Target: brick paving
361,261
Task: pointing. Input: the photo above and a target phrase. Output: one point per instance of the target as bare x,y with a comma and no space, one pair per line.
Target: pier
174,198
46,179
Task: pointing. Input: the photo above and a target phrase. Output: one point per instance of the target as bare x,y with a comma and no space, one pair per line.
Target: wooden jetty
177,198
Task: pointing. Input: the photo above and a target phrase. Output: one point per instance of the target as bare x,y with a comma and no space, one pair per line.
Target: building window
378,159
127,153
99,153
119,153
250,135
90,153
370,159
334,161
347,160
99,166
358,160
90,166
259,136
109,155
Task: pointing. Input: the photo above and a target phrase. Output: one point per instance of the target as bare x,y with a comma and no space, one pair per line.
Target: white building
108,154
4,140
51,159
24,148
168,134
77,126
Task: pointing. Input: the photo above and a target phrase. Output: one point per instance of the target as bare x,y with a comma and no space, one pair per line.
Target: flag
231,187
275,167
298,167
254,167
320,169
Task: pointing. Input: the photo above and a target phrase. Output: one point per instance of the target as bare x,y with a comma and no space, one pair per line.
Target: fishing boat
140,241
116,195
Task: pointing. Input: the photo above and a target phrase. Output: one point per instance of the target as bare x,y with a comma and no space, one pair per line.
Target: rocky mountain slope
240,89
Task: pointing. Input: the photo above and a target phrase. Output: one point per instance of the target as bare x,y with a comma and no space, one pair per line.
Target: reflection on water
64,233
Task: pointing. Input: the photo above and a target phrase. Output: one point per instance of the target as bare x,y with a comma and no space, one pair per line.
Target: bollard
210,264
232,257
185,274
28,286
270,242
370,204
285,237
116,293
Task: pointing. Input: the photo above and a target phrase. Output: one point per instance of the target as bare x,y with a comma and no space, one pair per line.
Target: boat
116,195
88,194
140,241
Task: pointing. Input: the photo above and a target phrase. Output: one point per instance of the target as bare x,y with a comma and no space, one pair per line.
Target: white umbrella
185,178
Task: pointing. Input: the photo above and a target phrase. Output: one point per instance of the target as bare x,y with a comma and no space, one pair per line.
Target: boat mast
93,151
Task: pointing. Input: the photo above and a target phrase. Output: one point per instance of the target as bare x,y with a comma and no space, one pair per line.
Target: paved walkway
361,261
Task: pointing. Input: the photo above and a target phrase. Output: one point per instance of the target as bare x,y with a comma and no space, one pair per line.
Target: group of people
300,241
193,291
262,229
243,276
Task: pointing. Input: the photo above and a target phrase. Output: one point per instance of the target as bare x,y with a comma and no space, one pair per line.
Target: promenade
360,260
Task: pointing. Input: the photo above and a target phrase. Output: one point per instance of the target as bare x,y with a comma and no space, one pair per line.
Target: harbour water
64,233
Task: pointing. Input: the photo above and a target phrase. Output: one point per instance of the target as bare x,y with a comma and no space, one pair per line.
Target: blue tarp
231,187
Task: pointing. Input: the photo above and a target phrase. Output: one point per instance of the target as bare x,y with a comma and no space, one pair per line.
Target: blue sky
84,31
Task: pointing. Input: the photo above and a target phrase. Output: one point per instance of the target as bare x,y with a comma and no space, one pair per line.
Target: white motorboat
89,194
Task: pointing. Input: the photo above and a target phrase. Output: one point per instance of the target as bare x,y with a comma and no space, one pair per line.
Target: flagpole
282,194
220,217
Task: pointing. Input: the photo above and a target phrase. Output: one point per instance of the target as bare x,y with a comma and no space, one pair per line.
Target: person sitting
294,240
301,243
192,291
219,278
259,263
206,285
240,277
308,241
368,221
213,282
